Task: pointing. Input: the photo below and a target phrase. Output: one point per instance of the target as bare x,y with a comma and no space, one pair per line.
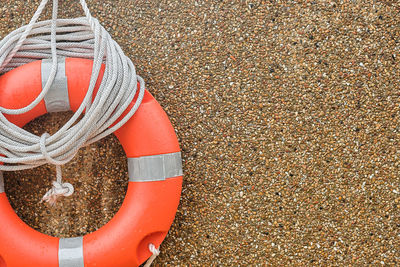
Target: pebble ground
288,117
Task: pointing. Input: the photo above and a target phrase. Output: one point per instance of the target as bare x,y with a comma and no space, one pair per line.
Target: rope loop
43,149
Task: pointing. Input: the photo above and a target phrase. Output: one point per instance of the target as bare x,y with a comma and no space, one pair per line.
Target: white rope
155,253
78,37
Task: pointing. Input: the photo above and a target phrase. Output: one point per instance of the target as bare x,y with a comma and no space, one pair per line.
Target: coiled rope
78,37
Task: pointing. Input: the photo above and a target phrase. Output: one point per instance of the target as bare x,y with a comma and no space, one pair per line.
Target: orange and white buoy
154,166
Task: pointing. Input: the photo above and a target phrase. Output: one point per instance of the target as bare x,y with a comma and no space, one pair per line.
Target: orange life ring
155,178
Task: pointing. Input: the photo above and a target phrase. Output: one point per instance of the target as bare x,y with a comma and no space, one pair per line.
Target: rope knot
58,189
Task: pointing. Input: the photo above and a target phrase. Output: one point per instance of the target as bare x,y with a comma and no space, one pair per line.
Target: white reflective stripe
56,99
70,252
1,182
155,168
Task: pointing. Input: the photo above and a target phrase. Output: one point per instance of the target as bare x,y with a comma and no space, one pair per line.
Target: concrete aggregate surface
288,116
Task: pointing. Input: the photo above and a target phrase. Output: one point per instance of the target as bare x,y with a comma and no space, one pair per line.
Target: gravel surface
288,118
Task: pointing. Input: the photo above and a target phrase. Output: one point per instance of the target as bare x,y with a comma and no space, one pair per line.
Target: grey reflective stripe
56,98
155,168
70,252
1,182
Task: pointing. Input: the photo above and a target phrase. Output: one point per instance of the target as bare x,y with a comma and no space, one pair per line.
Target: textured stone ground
288,117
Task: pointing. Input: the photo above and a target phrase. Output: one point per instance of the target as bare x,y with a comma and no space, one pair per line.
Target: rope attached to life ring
83,38
155,252
78,37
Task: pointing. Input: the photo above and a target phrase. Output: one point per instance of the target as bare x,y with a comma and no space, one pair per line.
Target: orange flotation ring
155,178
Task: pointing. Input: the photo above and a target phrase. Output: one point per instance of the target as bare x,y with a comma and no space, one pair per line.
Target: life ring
155,177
